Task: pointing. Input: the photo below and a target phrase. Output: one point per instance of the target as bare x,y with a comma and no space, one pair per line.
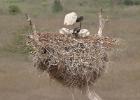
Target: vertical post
33,28
33,34
101,23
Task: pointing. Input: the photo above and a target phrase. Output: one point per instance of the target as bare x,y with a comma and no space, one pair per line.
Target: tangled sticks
74,62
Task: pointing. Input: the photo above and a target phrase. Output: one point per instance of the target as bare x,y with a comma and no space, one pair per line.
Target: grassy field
19,80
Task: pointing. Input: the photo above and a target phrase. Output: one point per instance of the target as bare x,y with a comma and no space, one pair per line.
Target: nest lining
74,62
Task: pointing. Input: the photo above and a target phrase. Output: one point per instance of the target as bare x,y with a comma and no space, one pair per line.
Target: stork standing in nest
77,29
71,19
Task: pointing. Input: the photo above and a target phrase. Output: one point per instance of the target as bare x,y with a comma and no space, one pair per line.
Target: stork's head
79,19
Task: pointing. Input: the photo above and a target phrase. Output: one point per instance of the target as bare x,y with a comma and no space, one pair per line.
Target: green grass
18,43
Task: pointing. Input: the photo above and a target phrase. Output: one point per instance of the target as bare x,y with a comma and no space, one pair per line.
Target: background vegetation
17,81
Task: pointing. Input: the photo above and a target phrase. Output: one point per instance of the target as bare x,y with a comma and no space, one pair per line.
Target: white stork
71,19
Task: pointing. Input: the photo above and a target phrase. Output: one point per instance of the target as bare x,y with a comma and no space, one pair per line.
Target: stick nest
74,62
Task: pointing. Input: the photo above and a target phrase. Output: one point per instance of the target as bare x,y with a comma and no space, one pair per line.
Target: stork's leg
80,25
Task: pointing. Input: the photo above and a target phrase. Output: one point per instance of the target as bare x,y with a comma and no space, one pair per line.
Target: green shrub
128,2
14,9
137,2
57,6
131,2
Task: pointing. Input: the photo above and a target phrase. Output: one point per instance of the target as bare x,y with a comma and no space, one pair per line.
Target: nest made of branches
74,62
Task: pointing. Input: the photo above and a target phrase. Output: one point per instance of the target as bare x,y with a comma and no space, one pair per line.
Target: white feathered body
70,18
65,31
82,33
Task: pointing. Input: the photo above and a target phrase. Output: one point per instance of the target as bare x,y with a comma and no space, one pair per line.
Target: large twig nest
74,62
